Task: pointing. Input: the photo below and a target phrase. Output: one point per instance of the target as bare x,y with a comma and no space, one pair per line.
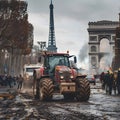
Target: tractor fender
81,76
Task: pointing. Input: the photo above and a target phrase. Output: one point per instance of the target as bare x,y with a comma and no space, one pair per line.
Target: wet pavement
24,107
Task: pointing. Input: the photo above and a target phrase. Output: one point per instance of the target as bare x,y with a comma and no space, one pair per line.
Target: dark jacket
118,77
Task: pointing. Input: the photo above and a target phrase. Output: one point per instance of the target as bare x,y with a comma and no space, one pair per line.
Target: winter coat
118,78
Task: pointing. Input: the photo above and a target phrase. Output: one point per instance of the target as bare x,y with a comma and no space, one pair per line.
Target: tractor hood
65,73
62,69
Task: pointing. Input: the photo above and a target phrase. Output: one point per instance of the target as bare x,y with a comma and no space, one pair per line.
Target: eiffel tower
51,41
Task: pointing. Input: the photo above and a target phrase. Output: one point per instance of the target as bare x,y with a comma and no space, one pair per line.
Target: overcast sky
71,19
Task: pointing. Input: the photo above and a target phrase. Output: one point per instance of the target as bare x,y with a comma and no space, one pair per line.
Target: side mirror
48,66
75,59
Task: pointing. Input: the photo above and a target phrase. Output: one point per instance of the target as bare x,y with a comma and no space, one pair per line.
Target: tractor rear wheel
82,90
46,89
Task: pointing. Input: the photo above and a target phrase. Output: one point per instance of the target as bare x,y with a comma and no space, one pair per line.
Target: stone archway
100,31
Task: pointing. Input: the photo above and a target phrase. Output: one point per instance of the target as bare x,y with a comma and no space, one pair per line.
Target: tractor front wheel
46,89
82,89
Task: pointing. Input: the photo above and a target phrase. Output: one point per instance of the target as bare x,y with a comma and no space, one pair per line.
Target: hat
110,71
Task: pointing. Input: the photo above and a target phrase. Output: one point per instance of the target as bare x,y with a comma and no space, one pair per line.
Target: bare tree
16,33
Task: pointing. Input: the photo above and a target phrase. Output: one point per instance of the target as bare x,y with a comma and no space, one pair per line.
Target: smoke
83,53
106,59
106,62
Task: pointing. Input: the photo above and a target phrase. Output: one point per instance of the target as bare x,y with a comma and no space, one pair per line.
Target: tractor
58,76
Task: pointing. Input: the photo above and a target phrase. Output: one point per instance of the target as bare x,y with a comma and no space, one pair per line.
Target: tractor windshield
58,60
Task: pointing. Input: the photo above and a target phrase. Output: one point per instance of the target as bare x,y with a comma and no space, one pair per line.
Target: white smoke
83,54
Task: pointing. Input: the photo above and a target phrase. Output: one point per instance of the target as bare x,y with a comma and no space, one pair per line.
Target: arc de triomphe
98,31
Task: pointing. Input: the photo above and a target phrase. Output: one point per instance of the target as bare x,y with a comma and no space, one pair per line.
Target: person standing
106,82
20,82
115,82
102,79
9,80
109,82
118,81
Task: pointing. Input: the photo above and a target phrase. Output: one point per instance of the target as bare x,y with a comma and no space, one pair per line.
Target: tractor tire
82,89
46,89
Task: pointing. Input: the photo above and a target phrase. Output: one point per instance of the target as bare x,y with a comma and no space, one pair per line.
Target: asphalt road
99,107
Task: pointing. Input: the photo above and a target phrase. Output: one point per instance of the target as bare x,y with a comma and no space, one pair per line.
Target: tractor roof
53,53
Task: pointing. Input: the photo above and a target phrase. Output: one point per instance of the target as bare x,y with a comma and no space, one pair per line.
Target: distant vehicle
28,74
91,79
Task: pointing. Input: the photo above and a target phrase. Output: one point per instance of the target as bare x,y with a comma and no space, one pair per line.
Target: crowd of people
111,81
9,81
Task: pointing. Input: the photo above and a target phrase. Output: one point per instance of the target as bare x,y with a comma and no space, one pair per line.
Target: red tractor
57,75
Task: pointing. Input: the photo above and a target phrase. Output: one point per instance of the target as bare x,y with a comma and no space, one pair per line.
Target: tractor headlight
71,77
61,77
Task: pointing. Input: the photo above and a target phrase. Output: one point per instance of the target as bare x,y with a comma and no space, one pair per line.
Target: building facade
100,31
116,60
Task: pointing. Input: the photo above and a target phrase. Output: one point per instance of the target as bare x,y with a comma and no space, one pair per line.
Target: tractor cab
51,60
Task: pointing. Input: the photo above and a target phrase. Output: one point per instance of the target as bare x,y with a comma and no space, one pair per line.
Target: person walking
9,80
106,82
115,82
118,81
20,82
102,79
109,82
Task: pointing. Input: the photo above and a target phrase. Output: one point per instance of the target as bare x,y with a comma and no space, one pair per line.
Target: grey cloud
77,9
38,6
69,31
